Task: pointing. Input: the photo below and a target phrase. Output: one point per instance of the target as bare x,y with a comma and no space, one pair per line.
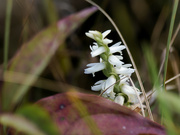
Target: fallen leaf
82,114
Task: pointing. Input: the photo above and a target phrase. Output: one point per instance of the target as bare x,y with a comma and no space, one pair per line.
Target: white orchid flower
96,35
108,85
94,67
114,60
130,92
117,48
97,50
119,99
124,71
98,85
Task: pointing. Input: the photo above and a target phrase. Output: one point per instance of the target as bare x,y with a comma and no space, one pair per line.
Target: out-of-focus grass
175,6
167,101
137,24
7,32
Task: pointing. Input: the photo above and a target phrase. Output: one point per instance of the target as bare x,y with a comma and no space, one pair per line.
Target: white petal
124,80
116,44
115,61
119,57
91,64
109,84
89,35
112,95
98,85
95,32
94,67
127,89
98,51
107,41
94,47
119,99
104,34
127,65
99,82
116,48
124,71
130,92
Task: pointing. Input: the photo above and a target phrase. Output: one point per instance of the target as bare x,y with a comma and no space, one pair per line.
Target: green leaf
34,56
20,124
40,118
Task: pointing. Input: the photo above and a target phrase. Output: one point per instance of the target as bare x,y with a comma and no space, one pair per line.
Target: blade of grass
173,38
43,83
7,31
20,124
83,112
50,10
131,58
140,102
175,6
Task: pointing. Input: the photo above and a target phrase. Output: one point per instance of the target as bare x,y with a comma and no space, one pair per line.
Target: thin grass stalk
83,112
173,78
7,31
175,6
140,102
173,38
6,39
131,58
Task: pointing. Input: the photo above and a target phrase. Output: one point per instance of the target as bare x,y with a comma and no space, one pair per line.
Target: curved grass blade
40,118
20,124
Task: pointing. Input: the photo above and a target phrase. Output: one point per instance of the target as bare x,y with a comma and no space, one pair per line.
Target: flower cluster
117,86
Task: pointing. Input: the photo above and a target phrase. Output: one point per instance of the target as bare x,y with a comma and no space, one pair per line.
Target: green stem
7,31
169,39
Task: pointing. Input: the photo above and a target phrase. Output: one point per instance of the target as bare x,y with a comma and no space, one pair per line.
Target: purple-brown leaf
77,113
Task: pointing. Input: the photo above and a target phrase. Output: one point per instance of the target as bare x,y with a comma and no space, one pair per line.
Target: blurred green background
141,22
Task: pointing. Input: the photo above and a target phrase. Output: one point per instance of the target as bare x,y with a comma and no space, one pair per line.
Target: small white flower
124,71
108,85
117,48
98,85
124,80
105,40
96,35
119,57
93,33
104,34
94,67
130,92
97,50
119,99
110,95
114,60
127,65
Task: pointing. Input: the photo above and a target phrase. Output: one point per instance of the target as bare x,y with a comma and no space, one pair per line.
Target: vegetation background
141,22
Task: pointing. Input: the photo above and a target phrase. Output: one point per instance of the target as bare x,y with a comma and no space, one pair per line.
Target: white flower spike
113,67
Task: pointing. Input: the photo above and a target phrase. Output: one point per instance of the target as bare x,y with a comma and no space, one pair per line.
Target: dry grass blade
175,66
131,58
140,102
173,38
